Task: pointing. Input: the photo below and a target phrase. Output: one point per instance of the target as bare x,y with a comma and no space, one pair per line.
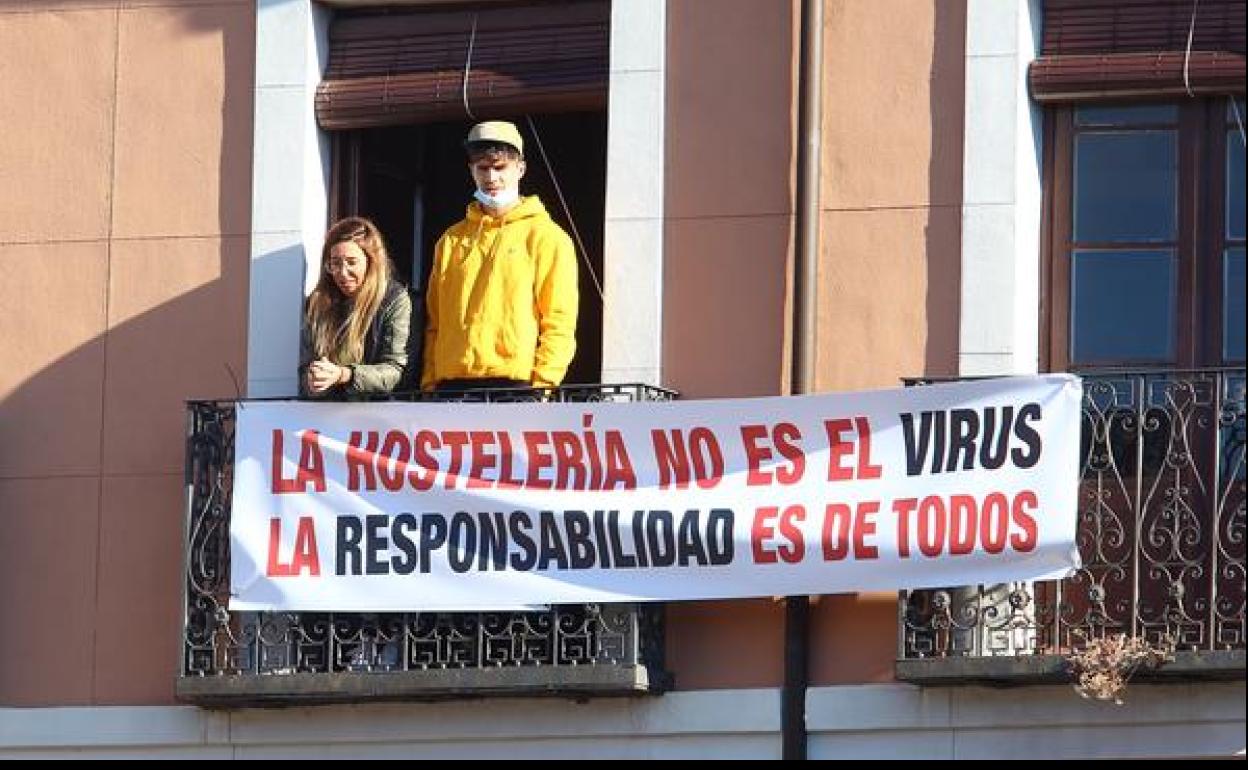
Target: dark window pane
1233,305
1125,186
1143,114
1234,184
1122,306
1233,105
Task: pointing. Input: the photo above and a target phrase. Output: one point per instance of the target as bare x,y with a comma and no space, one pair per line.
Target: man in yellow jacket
502,297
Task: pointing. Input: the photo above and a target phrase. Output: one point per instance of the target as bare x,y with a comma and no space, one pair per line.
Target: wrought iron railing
240,657
1161,533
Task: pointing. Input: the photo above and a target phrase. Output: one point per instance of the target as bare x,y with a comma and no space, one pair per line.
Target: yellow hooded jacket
502,298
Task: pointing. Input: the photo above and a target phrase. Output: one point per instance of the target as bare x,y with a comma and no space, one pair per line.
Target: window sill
298,689
1026,669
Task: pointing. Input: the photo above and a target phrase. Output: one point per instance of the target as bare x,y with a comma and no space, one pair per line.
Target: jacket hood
530,206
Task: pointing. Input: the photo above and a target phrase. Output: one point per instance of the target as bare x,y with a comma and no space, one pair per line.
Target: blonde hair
337,324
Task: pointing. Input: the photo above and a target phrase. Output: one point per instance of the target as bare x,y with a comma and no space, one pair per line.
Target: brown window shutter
407,67
1096,49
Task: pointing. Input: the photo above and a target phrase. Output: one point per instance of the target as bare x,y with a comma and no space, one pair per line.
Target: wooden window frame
1200,240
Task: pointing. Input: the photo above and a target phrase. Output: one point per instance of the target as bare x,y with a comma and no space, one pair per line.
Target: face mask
502,201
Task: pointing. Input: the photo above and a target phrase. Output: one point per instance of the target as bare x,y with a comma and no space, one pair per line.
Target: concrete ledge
1025,669
349,687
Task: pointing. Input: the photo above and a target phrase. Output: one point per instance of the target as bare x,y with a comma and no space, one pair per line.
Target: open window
403,86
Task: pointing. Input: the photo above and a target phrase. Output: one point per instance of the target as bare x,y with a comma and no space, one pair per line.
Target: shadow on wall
109,335
943,234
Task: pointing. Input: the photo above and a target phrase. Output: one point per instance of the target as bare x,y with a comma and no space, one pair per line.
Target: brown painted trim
1048,202
1214,241
1118,76
1063,198
1187,243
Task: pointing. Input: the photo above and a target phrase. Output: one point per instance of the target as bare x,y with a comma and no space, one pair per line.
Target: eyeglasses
339,265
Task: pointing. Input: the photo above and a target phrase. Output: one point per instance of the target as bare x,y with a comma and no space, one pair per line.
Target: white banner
449,506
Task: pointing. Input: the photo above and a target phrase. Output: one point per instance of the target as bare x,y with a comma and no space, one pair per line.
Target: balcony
1161,532
245,658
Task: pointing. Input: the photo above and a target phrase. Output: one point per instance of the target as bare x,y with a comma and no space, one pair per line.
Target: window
395,98
1144,182
413,182
1142,268
1146,238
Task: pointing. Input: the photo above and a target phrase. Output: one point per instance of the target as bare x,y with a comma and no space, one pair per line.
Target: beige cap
496,131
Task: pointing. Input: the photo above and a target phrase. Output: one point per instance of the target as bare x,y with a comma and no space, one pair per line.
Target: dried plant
1106,664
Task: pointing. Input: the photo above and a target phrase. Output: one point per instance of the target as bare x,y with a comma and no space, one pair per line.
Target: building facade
1001,188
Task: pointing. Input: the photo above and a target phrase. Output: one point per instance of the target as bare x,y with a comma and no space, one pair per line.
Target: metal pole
805,285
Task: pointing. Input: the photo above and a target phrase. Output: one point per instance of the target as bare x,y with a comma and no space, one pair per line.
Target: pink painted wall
890,198
124,242
124,222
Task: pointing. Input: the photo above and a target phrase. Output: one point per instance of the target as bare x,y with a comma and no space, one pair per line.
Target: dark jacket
386,351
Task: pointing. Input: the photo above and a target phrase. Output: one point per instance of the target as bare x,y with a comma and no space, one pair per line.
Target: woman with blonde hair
358,318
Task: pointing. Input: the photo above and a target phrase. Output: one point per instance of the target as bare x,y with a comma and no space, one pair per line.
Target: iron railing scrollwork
1161,532
241,656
